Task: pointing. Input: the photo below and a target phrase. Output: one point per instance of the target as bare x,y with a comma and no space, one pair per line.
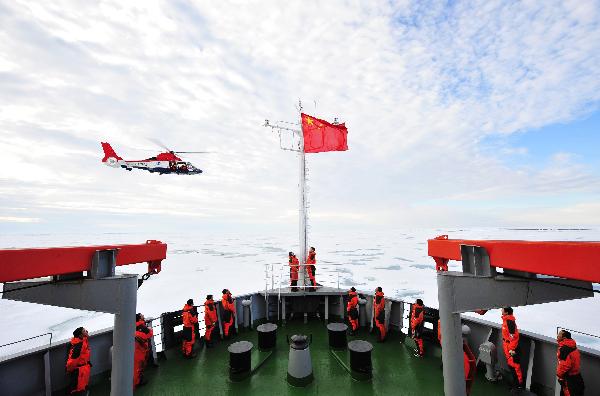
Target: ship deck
395,370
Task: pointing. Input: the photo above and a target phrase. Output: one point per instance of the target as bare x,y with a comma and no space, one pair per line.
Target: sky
483,113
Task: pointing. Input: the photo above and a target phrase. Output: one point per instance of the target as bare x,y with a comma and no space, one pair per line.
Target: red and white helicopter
167,162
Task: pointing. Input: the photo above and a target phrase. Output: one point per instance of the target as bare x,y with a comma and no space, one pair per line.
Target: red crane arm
570,260
21,264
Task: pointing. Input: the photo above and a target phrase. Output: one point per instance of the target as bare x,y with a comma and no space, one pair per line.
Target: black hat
209,297
78,332
352,289
190,302
290,253
224,291
419,301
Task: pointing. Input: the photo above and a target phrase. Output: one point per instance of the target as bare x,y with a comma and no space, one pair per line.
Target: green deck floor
395,370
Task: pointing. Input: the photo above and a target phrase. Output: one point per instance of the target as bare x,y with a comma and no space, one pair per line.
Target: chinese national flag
320,135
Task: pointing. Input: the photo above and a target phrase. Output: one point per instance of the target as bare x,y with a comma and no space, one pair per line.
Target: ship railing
16,346
277,276
586,338
157,327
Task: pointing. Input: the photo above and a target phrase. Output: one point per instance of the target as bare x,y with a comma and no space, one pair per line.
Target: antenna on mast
280,129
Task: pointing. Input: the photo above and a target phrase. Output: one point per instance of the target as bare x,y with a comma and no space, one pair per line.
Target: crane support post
21,264
569,260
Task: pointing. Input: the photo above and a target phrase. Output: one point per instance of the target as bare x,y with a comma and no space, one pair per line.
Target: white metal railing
591,340
277,276
17,346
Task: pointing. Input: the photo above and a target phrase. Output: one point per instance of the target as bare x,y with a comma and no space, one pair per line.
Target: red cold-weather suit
567,370
228,313
510,342
352,309
143,335
190,318
210,318
78,365
380,314
416,325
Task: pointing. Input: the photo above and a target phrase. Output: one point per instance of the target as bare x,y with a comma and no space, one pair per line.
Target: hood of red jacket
568,343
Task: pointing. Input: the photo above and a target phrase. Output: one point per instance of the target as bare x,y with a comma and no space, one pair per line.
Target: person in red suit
78,363
468,360
352,309
143,335
568,368
190,318
210,319
311,268
510,345
294,266
380,313
228,312
416,326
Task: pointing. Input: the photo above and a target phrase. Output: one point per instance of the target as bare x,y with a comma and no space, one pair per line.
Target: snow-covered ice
201,263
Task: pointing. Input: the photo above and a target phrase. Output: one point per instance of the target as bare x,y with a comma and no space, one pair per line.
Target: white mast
301,190
302,204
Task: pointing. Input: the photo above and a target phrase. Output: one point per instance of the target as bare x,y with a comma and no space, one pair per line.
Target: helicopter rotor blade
159,143
193,152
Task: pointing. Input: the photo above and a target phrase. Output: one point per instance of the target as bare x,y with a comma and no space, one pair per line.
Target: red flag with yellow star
320,135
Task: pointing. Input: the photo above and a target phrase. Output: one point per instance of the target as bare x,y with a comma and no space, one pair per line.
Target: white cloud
418,84
13,219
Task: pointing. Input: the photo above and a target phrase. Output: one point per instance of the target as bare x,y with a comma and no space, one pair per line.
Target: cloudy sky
459,113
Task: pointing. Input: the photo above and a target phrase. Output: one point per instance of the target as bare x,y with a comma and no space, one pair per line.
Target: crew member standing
416,325
352,309
143,335
294,265
311,269
210,319
190,318
468,360
380,313
78,363
510,344
228,312
569,361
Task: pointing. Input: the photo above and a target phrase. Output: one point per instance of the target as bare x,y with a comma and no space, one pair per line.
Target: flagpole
302,205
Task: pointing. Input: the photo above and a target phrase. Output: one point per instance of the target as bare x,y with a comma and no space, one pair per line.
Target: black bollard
360,359
337,335
267,336
239,360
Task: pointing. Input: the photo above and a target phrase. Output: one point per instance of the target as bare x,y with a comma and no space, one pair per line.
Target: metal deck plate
395,370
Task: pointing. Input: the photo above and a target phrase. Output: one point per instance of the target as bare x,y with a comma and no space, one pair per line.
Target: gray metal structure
102,291
538,361
480,287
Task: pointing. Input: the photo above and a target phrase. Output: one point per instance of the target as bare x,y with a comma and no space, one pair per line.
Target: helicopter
167,162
